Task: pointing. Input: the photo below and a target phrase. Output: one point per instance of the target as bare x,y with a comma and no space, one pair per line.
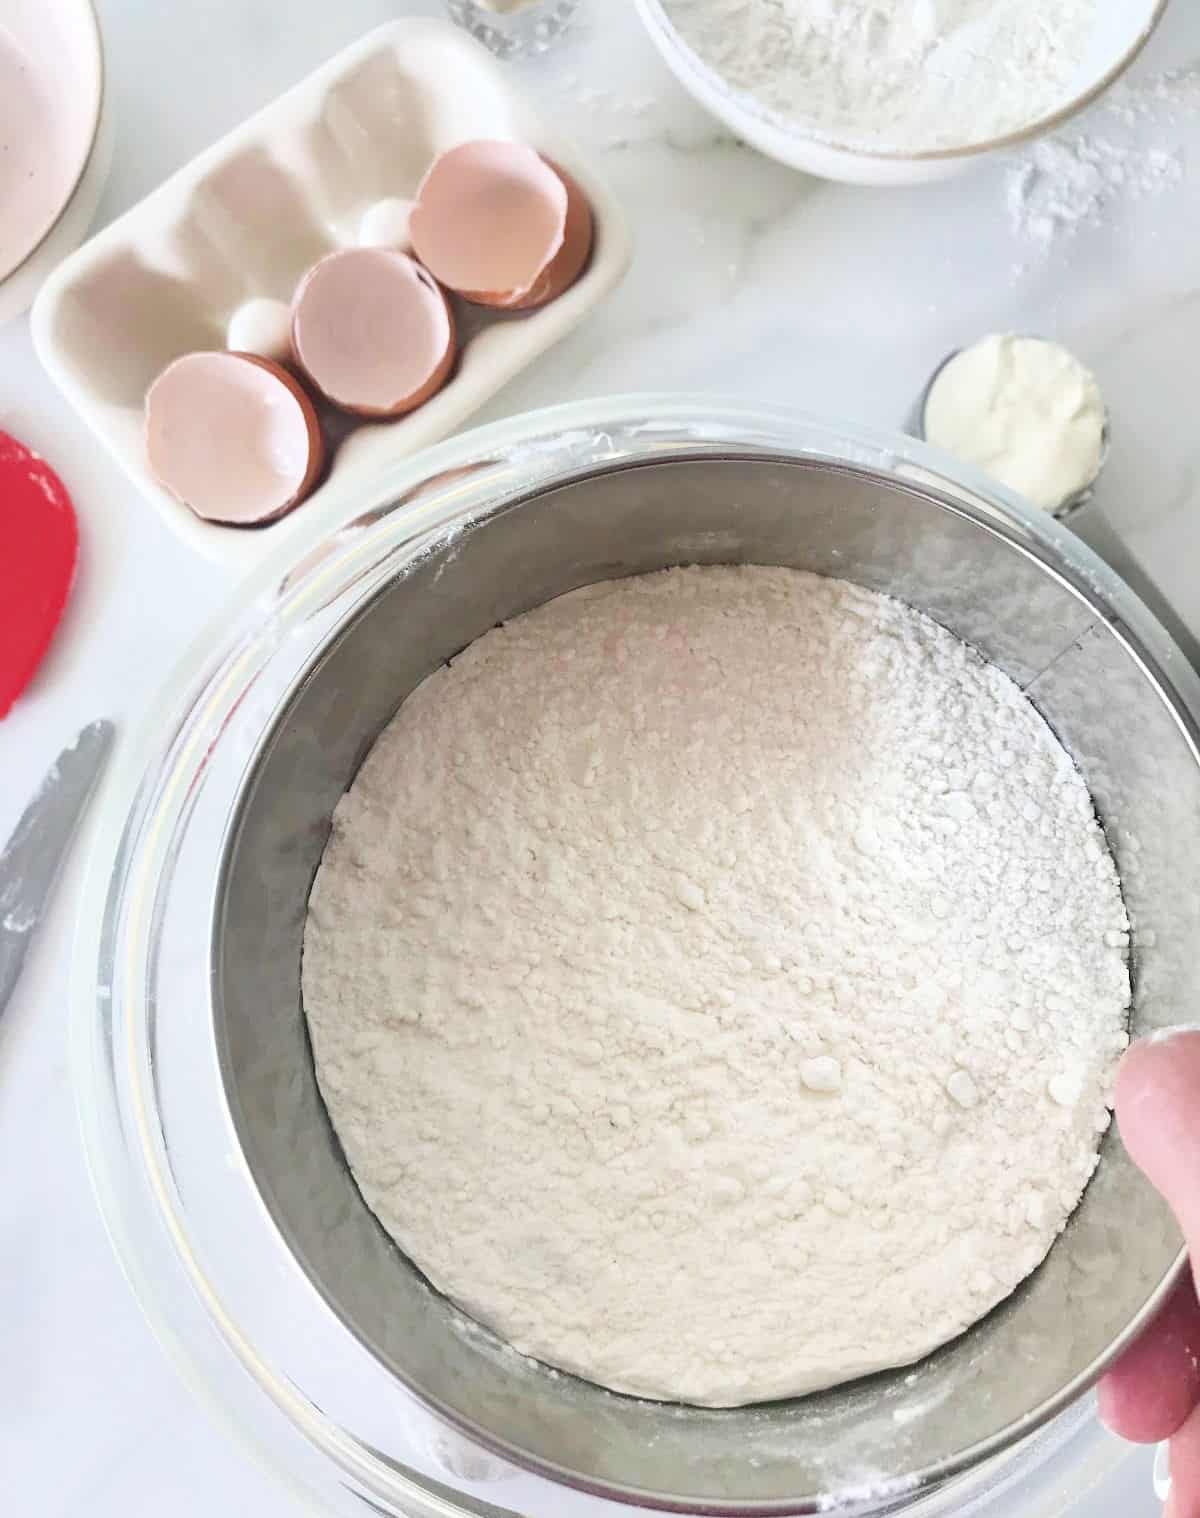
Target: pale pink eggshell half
233,436
500,225
373,331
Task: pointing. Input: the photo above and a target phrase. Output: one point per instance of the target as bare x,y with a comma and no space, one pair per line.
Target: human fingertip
1110,1405
1184,1500
1140,1410
1144,1058
1158,1114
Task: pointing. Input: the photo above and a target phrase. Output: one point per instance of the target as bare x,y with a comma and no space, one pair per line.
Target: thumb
1158,1110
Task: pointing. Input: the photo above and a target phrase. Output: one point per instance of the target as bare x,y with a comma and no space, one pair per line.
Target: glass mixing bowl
258,1265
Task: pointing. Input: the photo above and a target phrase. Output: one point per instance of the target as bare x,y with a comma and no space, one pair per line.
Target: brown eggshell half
373,332
233,436
501,225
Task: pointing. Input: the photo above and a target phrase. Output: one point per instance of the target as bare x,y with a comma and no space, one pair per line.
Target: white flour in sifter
715,980
909,76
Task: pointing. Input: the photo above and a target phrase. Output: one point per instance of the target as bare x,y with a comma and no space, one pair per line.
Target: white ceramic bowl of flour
55,139
845,93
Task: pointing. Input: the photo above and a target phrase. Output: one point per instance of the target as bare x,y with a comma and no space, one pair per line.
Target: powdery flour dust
909,76
715,980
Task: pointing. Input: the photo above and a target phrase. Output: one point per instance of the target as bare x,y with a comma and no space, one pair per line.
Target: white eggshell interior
227,437
261,326
489,217
385,225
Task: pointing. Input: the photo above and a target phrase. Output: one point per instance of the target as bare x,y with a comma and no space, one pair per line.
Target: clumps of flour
715,980
1077,177
1063,183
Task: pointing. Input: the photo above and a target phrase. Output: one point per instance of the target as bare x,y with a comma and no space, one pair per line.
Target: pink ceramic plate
51,82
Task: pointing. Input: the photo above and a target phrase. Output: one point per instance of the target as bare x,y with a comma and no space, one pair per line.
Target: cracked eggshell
373,332
233,436
501,226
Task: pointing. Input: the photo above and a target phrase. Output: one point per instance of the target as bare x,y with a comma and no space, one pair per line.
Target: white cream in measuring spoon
1026,411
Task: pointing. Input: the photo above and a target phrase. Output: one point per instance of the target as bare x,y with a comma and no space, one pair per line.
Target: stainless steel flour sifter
223,1184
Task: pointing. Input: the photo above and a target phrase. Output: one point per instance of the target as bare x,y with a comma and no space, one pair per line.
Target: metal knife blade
30,862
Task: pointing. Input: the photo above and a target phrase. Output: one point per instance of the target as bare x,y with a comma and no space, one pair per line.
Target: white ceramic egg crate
247,218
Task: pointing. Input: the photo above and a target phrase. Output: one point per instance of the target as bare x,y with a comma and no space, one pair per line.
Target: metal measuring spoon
29,862
1084,514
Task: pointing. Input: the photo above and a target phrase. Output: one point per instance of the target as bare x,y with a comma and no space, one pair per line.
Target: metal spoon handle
30,862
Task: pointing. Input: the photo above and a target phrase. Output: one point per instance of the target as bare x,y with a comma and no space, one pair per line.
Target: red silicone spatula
39,543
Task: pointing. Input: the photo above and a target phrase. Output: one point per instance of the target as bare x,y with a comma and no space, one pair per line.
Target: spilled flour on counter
1064,183
1077,179
715,980
908,77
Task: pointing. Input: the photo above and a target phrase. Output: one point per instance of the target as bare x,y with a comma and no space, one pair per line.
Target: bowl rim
89,18
787,135
914,1484
138,815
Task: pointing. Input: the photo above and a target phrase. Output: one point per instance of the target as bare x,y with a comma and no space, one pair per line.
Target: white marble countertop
748,280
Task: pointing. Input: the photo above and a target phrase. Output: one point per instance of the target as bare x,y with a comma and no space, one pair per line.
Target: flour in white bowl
906,76
715,980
